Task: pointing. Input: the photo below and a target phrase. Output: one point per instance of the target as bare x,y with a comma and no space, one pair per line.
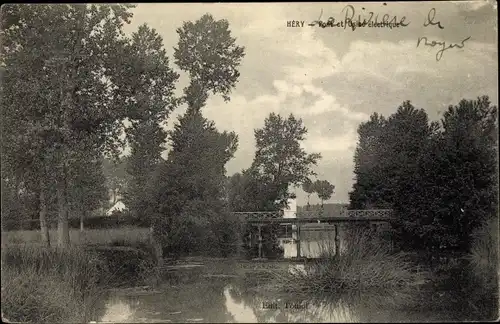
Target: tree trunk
62,221
157,248
82,216
44,229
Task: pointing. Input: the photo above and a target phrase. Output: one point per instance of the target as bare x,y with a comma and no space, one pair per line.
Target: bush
366,262
50,285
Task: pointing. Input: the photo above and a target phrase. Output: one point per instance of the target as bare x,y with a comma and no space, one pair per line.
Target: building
118,207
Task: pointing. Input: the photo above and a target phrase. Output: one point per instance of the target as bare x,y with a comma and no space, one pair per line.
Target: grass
42,284
366,262
50,285
131,235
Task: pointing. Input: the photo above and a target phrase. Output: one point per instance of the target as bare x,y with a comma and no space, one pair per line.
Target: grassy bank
64,285
365,263
50,285
131,235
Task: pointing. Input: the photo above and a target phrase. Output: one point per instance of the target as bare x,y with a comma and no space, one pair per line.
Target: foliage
439,181
62,98
209,54
308,187
280,161
87,191
324,189
151,82
189,188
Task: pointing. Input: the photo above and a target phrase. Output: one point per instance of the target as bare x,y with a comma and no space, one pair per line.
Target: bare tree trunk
157,248
82,216
44,229
62,221
114,197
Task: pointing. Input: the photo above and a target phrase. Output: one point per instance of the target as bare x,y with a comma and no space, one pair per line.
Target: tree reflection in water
246,305
240,298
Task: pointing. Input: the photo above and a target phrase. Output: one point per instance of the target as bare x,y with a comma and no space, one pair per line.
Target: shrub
366,262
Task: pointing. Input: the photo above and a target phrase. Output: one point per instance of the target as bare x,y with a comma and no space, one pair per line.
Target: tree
279,160
367,163
439,181
195,173
192,180
209,54
460,180
152,83
279,163
308,187
324,190
59,85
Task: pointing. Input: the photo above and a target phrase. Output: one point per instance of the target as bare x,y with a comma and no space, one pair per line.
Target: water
205,294
314,239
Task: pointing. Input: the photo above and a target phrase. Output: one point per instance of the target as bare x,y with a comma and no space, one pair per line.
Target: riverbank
232,290
36,282
59,285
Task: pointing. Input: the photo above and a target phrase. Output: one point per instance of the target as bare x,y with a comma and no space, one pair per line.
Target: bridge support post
298,241
260,241
337,241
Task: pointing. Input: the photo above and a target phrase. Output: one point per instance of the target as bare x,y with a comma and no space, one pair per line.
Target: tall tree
280,161
192,180
439,181
152,83
460,179
367,163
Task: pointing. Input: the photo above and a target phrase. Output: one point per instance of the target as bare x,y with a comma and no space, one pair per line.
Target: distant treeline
94,222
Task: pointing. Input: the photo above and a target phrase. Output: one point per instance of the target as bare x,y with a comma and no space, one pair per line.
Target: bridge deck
309,220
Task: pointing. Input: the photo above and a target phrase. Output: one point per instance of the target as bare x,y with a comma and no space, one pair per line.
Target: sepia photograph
327,162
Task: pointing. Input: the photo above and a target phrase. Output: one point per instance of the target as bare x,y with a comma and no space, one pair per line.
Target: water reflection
230,302
198,298
236,305
118,310
282,309
312,243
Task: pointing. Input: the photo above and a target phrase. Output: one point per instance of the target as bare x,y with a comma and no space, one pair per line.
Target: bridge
359,216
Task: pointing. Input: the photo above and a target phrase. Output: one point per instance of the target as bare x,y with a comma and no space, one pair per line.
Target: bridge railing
258,214
368,213
354,213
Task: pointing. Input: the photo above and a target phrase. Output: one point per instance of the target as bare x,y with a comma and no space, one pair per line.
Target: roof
329,210
119,206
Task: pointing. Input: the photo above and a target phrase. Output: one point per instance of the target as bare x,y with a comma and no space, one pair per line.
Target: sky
335,78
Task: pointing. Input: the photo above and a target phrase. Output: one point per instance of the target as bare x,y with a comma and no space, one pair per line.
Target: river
214,291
